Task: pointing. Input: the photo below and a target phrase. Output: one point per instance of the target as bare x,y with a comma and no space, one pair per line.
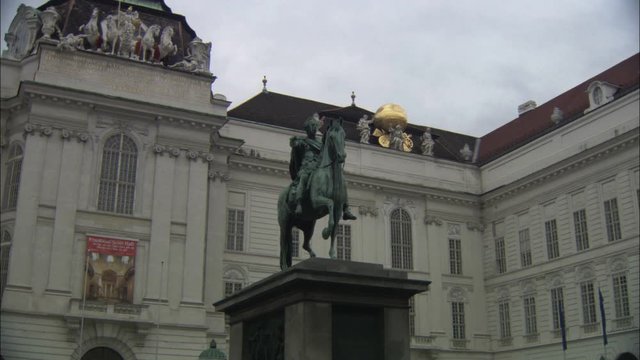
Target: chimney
528,106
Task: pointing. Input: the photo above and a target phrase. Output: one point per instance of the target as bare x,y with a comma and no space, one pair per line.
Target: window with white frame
12,176
557,305
455,250
612,219
525,247
235,229
295,242
457,320
231,287
621,295
401,242
530,321
118,175
5,250
588,303
580,221
551,235
499,248
501,258
233,281
343,242
505,319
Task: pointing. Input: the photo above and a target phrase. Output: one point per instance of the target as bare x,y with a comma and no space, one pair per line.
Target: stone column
27,212
192,288
160,227
65,217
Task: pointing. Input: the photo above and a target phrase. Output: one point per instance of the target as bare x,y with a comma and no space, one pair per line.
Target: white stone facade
195,167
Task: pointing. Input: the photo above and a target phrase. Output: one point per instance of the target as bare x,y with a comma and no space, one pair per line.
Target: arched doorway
626,356
102,353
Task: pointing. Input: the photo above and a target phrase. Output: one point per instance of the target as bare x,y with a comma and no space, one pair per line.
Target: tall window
412,316
5,249
295,242
551,234
343,242
501,259
612,219
401,243
588,303
12,179
118,175
505,320
457,320
525,247
235,229
530,322
620,295
580,227
557,303
455,256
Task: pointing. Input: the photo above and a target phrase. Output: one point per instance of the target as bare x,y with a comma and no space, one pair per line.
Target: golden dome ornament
390,120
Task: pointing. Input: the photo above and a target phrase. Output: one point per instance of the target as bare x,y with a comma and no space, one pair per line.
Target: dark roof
290,112
537,122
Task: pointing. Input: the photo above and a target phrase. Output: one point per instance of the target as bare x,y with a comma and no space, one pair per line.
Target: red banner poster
110,269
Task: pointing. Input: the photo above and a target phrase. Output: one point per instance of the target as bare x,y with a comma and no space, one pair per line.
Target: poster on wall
110,269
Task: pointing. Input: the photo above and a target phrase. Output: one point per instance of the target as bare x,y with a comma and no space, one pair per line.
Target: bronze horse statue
325,194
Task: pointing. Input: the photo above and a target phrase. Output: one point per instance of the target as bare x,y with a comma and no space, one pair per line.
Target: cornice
258,164
564,167
33,91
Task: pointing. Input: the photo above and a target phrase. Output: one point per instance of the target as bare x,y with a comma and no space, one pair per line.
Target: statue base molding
323,309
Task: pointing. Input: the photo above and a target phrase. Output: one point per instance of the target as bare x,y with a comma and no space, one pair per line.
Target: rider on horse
304,159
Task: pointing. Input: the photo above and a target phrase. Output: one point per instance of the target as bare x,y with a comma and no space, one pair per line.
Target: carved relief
618,264
222,176
393,202
454,230
432,220
474,226
457,294
368,210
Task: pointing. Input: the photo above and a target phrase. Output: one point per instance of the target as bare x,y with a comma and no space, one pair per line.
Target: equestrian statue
318,187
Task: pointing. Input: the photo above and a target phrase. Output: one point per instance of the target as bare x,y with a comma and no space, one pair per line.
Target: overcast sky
462,66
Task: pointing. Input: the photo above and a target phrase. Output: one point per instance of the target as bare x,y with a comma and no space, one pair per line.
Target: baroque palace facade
133,199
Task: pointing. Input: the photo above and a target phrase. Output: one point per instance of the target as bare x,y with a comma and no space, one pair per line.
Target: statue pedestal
323,309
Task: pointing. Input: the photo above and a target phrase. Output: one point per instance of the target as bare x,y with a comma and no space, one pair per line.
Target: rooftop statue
318,187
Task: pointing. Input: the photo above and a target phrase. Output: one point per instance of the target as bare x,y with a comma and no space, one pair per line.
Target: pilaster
64,223
160,228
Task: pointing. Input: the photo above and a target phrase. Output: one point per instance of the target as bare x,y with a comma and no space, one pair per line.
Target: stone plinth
323,309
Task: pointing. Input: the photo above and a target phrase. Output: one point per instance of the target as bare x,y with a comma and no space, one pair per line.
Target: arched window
118,175
401,243
5,249
12,180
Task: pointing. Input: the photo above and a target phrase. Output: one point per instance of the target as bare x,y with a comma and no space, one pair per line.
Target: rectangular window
620,295
457,319
525,248
455,256
343,242
530,322
231,288
612,219
588,303
235,229
505,320
580,227
501,260
295,242
557,303
551,234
